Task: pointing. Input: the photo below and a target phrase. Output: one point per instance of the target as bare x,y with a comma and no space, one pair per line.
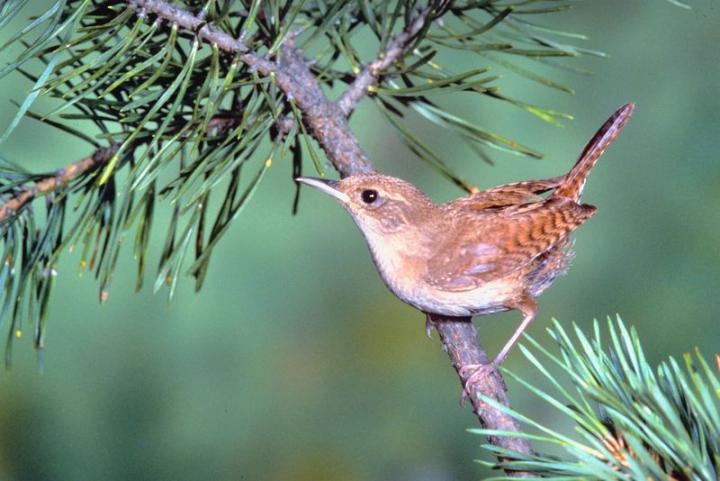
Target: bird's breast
402,265
400,262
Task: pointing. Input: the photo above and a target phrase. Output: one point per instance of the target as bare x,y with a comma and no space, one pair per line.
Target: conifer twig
63,176
370,75
51,183
323,118
205,31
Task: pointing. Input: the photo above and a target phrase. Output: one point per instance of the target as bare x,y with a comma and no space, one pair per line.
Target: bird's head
379,204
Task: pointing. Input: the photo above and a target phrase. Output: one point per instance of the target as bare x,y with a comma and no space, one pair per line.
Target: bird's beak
324,185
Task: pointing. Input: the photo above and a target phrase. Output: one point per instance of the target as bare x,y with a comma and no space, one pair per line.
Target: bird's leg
477,372
528,307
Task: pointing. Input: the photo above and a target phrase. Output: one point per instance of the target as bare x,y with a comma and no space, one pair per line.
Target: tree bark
461,343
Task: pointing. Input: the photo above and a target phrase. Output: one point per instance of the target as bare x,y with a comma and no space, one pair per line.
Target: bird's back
507,238
512,232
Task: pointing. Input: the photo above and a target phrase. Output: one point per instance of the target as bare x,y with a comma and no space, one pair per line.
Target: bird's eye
369,196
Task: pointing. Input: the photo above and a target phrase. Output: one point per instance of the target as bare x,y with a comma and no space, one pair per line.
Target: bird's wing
490,245
509,194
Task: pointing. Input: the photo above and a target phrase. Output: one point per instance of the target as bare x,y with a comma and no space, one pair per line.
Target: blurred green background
295,363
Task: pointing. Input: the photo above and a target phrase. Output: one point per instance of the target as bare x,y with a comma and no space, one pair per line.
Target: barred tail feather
572,187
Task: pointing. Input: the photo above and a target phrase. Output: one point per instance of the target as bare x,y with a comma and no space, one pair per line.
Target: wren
488,252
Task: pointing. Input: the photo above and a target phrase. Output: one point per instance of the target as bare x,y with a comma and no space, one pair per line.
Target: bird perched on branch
488,252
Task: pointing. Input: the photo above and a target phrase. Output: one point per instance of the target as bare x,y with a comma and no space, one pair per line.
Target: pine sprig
190,96
632,421
32,241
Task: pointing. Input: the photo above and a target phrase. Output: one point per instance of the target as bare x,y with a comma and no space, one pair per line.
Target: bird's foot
474,374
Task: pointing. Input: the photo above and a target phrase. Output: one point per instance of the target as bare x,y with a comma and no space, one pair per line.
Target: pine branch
633,421
205,31
323,118
395,50
61,178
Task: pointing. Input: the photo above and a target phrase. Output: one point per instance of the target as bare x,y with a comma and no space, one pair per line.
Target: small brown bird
488,252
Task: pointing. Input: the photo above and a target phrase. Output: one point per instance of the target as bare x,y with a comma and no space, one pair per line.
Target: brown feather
574,183
491,245
509,194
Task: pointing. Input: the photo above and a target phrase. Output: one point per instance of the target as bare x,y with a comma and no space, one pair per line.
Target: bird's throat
400,260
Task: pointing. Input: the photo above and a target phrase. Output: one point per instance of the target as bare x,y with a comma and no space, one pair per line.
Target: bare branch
324,119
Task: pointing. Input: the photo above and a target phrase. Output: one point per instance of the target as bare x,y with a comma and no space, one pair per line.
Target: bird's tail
574,182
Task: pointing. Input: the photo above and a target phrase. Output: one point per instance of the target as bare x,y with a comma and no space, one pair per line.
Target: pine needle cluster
632,421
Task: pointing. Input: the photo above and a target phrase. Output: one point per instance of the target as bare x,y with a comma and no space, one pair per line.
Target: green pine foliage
193,126
632,421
